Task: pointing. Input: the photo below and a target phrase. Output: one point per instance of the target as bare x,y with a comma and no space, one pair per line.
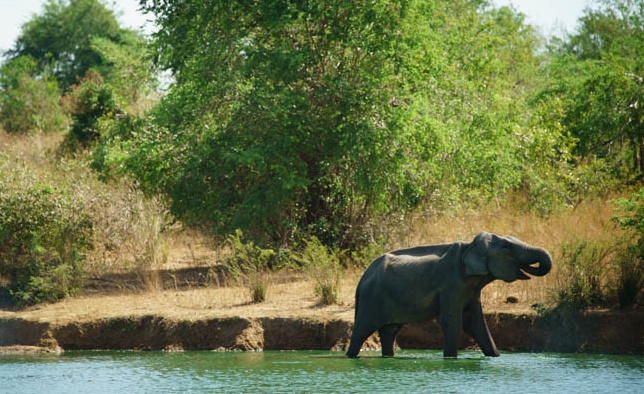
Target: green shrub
630,277
29,103
631,268
43,235
363,257
324,269
249,264
88,103
583,275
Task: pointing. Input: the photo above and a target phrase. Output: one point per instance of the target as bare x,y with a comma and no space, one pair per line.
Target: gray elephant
443,281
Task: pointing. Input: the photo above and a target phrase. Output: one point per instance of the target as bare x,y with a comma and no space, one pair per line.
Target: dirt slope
220,318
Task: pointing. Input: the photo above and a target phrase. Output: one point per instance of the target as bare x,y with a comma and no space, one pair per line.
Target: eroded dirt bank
597,331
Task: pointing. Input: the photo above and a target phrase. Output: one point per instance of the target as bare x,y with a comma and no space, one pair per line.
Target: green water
318,372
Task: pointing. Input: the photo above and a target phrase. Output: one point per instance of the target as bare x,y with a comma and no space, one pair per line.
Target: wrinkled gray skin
444,281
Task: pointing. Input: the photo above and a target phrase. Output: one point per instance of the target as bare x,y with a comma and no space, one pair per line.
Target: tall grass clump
128,227
584,275
324,269
147,219
249,265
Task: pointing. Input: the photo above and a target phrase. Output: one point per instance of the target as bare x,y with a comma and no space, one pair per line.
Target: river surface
319,372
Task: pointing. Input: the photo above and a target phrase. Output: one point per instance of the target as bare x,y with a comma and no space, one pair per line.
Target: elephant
442,281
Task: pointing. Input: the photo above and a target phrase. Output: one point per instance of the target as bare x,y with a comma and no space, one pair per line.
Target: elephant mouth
527,268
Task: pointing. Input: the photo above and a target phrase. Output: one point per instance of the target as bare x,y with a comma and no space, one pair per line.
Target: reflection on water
297,371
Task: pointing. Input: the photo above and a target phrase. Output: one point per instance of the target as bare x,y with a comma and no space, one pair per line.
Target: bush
249,265
631,269
324,269
29,103
584,274
43,236
630,278
88,103
363,257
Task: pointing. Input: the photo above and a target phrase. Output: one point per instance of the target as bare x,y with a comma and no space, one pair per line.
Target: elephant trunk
538,256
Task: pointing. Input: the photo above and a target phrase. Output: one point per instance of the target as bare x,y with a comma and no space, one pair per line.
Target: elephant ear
475,256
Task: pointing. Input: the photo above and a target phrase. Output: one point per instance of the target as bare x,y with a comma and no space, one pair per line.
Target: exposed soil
191,314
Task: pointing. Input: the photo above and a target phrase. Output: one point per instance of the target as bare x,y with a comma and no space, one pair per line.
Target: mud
597,331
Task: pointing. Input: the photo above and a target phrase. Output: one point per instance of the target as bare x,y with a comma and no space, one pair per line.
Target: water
319,372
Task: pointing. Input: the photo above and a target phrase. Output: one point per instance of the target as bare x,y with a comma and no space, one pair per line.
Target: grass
324,270
291,294
133,238
126,226
294,293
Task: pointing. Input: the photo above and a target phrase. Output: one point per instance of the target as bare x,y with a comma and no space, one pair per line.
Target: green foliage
60,38
44,233
296,117
631,260
583,276
126,66
598,75
28,103
633,206
249,264
291,119
630,279
364,256
89,102
324,269
478,101
111,152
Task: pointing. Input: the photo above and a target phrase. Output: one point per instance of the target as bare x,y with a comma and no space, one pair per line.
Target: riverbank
214,318
594,332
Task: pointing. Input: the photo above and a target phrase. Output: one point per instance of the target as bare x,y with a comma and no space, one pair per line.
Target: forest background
314,135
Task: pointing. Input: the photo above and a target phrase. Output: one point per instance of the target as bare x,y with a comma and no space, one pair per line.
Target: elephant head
505,258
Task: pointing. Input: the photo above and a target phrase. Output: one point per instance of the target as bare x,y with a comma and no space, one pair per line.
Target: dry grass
293,295
176,249
295,298
34,148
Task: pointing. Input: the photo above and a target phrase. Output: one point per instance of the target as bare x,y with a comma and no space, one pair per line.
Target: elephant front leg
451,323
475,326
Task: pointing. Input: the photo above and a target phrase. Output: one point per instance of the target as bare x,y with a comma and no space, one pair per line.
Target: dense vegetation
327,124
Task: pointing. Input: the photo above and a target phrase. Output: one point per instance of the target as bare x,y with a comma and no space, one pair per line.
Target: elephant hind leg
388,335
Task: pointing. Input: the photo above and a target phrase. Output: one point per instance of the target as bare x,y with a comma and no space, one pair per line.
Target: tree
89,102
330,118
126,66
289,113
60,38
28,103
480,98
601,70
